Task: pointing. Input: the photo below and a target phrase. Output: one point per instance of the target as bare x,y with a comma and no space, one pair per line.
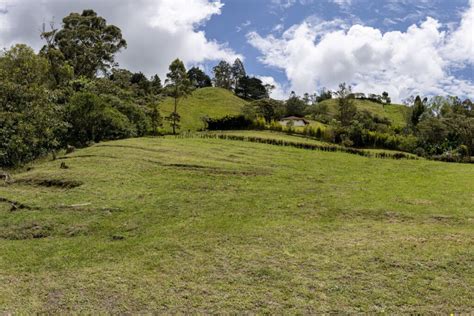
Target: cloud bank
419,60
157,31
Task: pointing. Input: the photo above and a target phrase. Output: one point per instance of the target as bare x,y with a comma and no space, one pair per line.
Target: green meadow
207,102
396,113
190,225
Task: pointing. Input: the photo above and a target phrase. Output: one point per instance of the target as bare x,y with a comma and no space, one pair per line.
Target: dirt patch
210,170
25,231
218,171
52,183
15,206
133,147
86,156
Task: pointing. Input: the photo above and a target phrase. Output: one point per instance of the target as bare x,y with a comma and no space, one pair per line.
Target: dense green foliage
31,121
87,42
54,98
439,128
198,78
73,93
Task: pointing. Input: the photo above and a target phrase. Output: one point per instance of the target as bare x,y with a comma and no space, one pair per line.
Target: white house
296,121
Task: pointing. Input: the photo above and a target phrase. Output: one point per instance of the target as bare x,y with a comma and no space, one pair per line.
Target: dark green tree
418,109
346,106
141,83
198,78
31,122
386,98
86,42
155,118
156,85
269,109
92,118
178,86
251,89
295,106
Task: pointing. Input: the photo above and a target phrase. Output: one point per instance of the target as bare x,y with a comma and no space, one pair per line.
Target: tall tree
295,106
156,86
178,86
251,89
30,121
198,78
324,94
386,98
87,42
419,107
238,72
140,81
223,75
347,108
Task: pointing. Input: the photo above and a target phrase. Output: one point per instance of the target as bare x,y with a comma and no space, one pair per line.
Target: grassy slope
213,225
211,102
395,112
296,138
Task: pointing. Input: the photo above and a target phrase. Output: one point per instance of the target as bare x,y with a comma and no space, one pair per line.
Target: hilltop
205,102
396,113
191,225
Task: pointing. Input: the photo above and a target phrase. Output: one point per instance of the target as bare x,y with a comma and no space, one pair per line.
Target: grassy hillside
205,225
211,102
298,139
395,112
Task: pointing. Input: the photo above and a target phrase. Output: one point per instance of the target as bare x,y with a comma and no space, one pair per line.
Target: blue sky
404,47
239,17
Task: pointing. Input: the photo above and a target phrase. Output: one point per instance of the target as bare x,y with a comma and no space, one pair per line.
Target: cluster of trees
440,127
234,78
73,93
444,126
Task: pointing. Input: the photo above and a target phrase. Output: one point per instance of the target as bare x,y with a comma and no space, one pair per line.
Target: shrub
91,118
229,123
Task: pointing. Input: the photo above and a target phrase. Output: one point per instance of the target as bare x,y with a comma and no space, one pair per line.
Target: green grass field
213,226
396,113
210,102
267,134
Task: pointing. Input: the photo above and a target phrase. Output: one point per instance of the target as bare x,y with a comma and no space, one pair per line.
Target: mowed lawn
214,226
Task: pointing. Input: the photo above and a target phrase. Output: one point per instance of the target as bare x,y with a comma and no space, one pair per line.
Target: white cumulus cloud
157,31
317,53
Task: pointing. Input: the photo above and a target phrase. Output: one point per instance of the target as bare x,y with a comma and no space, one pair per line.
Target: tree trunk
174,114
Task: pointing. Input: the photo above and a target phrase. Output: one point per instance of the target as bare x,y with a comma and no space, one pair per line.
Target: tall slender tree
347,108
419,107
223,75
178,86
238,72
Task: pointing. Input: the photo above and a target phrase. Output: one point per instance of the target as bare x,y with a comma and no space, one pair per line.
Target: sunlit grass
213,226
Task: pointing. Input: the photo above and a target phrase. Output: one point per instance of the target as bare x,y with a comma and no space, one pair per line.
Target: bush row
300,145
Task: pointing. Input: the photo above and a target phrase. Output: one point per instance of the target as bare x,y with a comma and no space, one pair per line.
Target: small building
296,121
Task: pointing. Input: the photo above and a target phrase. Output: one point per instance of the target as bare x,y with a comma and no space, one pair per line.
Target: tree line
73,92
438,127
